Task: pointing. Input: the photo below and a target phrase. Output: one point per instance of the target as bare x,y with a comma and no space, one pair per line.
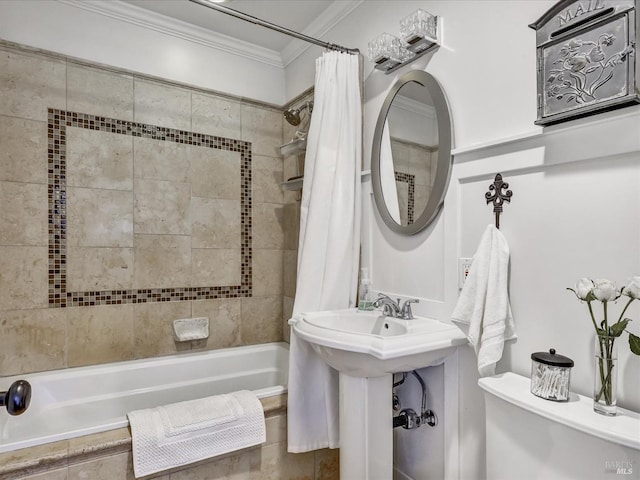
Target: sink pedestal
365,348
366,427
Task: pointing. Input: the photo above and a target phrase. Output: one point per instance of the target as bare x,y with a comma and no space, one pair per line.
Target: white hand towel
186,432
483,304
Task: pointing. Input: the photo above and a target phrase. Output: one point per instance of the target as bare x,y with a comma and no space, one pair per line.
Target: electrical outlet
464,265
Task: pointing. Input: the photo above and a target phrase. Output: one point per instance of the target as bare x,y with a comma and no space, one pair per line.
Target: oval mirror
411,157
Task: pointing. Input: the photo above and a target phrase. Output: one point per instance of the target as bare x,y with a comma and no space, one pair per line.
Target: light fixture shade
387,51
419,30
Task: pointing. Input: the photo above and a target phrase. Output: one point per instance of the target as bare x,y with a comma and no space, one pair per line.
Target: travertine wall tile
21,155
162,207
161,160
267,272
278,464
99,268
100,334
276,429
263,128
32,340
224,321
421,198
268,225
153,327
291,225
267,176
420,164
118,466
56,451
99,92
99,218
60,474
215,223
162,105
23,215
215,173
215,267
29,84
215,116
146,207
162,261
23,277
262,319
244,466
99,159
290,268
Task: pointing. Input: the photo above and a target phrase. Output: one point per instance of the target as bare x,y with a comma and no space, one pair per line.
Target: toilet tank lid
577,413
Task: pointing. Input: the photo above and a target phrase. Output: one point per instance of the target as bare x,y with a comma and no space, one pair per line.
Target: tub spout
17,398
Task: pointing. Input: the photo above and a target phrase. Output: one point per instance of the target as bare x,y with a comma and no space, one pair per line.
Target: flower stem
605,362
593,317
631,299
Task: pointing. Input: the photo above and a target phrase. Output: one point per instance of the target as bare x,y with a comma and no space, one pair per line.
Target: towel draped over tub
182,433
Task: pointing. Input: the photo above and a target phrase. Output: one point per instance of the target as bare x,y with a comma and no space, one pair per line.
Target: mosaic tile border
411,180
58,121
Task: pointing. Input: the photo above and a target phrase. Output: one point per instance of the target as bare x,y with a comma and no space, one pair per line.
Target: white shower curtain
328,249
388,175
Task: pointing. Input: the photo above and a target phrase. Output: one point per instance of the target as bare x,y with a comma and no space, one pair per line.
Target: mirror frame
444,162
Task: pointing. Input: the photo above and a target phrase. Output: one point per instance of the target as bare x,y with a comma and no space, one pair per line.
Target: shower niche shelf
294,147
293,183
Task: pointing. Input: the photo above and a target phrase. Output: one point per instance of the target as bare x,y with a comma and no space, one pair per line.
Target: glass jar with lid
551,375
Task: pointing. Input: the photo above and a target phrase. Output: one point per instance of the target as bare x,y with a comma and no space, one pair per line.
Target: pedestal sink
367,348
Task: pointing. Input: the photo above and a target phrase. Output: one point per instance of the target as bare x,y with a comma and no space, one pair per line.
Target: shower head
293,114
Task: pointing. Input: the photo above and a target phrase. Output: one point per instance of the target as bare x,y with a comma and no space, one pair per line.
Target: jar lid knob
552,351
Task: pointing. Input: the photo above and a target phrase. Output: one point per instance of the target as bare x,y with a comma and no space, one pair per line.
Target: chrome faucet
392,308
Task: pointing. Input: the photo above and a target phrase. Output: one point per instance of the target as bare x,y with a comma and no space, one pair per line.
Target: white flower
605,290
633,289
583,288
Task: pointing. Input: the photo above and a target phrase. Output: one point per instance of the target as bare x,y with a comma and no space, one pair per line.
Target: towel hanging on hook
498,194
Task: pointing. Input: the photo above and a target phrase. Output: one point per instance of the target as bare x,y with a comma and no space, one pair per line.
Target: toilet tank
532,438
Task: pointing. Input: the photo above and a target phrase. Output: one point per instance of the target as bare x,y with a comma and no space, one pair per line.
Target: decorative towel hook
499,196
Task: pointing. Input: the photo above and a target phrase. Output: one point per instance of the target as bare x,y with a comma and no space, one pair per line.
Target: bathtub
80,401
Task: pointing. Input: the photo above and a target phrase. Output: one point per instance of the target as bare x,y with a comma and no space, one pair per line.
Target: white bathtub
79,401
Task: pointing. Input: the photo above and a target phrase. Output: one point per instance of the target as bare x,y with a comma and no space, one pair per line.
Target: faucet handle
407,314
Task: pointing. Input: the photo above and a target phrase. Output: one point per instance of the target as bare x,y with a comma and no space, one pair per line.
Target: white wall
575,210
181,56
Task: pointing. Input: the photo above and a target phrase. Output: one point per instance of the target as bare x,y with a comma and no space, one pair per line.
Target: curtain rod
273,26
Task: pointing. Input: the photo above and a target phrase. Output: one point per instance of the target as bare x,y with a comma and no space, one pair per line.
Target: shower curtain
388,175
328,249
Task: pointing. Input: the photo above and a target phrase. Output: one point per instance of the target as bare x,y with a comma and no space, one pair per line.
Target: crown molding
333,15
186,31
414,106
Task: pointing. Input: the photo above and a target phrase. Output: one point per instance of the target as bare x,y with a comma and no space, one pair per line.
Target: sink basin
369,344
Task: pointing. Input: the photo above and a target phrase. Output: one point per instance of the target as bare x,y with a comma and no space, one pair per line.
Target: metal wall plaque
586,58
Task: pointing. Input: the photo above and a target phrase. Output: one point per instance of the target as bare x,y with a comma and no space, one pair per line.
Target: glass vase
605,375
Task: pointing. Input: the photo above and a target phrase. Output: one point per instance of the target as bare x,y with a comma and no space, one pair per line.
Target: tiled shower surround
129,202
212,222
415,169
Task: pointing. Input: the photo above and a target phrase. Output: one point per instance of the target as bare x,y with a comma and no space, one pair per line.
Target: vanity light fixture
420,34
